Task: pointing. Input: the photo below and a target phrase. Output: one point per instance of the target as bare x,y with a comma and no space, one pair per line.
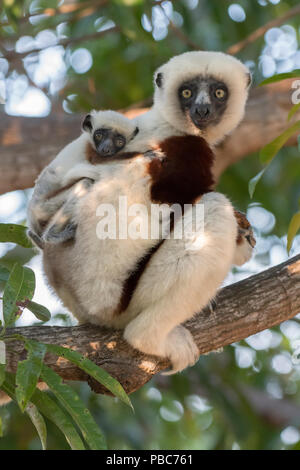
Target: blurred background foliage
71,56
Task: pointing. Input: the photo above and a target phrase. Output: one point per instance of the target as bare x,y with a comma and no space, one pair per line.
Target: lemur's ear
159,79
87,123
249,79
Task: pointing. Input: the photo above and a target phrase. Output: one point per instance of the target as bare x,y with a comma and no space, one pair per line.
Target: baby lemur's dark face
108,142
204,99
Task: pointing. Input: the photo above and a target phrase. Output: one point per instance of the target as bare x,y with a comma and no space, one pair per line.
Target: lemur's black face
204,99
108,142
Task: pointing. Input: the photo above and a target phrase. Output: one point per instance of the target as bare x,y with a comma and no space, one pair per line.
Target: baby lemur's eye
187,93
220,93
98,136
120,141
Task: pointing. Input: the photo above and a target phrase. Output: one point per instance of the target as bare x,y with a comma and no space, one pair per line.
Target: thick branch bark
242,309
28,144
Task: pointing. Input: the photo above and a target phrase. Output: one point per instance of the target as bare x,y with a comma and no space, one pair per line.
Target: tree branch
11,56
242,309
28,144
235,48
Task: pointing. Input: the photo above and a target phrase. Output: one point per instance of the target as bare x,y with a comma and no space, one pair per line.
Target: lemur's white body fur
178,282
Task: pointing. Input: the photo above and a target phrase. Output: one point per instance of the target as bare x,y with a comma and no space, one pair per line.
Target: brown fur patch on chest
184,172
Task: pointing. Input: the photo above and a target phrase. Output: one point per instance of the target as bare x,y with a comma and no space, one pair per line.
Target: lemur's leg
245,240
180,280
62,226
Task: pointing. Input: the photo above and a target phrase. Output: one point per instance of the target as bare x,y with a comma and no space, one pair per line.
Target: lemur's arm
62,226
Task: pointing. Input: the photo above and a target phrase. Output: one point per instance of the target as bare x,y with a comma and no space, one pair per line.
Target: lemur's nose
106,150
202,110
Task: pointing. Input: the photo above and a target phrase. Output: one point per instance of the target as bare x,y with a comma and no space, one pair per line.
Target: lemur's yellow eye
186,93
220,93
120,142
98,137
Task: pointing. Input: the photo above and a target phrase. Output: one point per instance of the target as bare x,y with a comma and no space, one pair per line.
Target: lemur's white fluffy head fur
190,65
113,120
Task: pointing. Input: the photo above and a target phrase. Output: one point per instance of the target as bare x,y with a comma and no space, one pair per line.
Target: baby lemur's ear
249,79
87,123
159,80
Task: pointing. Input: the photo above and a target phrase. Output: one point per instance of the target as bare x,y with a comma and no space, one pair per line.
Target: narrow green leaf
268,152
11,293
28,372
281,76
4,274
51,410
2,374
298,142
293,111
38,422
41,312
253,182
1,427
54,413
93,370
72,403
14,233
9,388
292,230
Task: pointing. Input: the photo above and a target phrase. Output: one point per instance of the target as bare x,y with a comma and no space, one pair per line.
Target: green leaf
11,294
293,111
14,233
19,287
31,410
38,422
41,312
253,182
1,427
28,285
54,413
4,274
281,76
51,410
28,372
2,373
268,152
72,403
292,230
93,370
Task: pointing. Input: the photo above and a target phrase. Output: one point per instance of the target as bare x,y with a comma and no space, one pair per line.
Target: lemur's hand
81,170
245,239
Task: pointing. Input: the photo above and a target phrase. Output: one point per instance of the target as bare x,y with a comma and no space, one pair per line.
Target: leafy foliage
18,293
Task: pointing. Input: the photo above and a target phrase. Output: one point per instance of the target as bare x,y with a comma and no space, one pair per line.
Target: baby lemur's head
109,131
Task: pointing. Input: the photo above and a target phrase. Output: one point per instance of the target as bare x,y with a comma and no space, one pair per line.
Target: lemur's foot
38,241
178,346
57,234
181,349
245,240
